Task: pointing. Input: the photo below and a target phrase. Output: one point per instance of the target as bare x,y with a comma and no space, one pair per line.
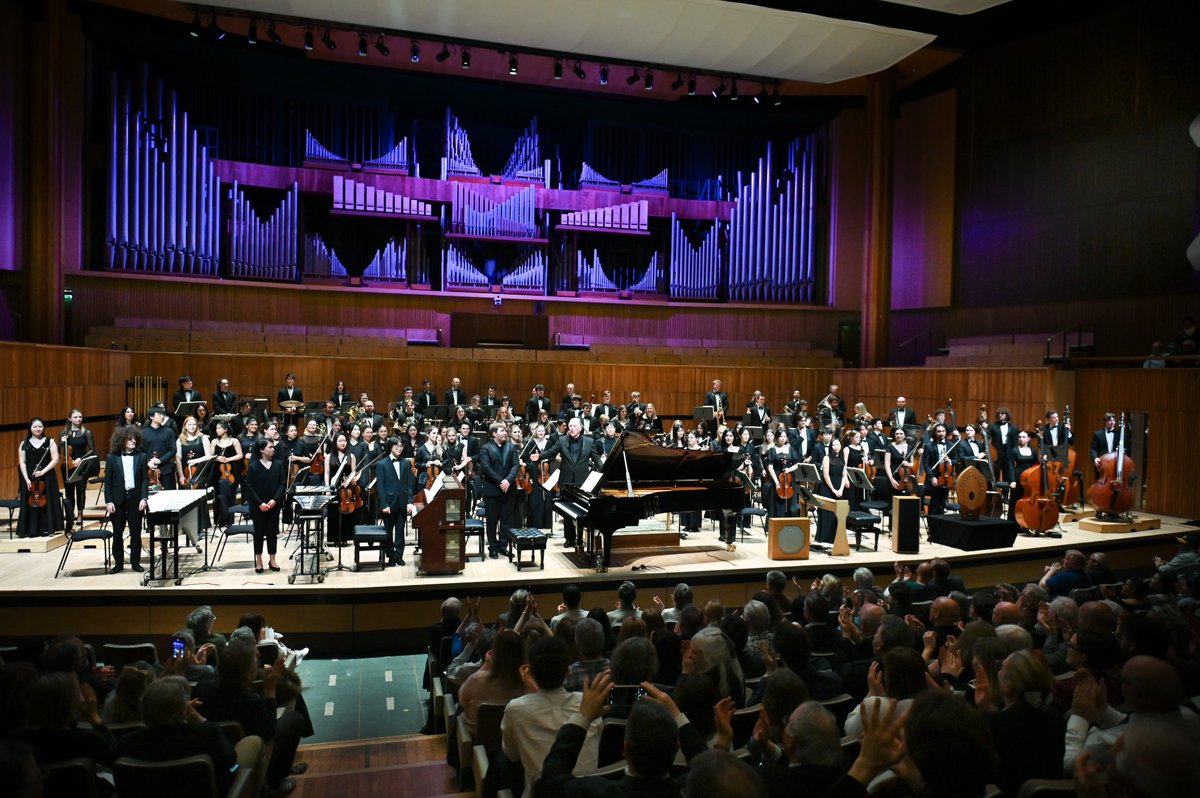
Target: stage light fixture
308,39
558,69
648,79
272,34
733,91
512,63
327,40
578,70
443,55
252,33
362,45
720,89
775,97
634,77
677,84
414,52
692,86
381,47
604,74
762,94
215,29
197,26
466,58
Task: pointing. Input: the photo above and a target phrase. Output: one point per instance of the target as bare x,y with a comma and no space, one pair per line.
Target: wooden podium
441,530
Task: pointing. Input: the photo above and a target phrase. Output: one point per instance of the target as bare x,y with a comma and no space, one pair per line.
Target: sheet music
435,486
589,484
550,482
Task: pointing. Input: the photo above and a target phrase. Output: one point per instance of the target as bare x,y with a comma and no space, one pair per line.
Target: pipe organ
524,164
351,196
659,184
530,275
628,217
321,261
394,160
695,271
473,214
593,280
457,160
317,154
459,272
589,178
163,211
264,250
771,230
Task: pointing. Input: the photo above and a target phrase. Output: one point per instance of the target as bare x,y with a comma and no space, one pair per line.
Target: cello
906,474
1111,493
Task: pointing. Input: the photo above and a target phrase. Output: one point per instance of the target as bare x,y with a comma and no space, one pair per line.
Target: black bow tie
128,454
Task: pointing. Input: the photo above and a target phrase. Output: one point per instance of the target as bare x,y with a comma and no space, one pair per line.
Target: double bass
1111,493
1062,470
1037,509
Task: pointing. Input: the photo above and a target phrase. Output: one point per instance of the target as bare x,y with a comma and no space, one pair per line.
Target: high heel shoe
258,569
273,567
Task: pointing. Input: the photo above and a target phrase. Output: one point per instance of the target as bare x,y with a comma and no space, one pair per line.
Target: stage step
411,764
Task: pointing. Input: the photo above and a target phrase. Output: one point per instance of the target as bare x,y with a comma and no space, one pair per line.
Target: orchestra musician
689,520
939,417
429,454
370,449
1055,434
1002,434
635,408
186,393
876,441
289,392
248,439
650,423
717,398
537,402
492,400
498,469
803,440
368,417
605,408
340,395
126,493
856,455
972,448
396,488
836,407
779,460
455,394
1021,457
228,471
896,456
77,443
902,415
578,456
861,414
41,502
565,402
426,398
339,472
834,485
411,439
470,456
821,447
475,413
936,450
264,486
760,414
794,404
244,414
224,399
190,445
575,410
158,440
1104,440
127,418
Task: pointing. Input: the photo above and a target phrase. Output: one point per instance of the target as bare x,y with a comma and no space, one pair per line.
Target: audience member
57,702
812,754
626,607
681,597
589,642
572,597
498,681
776,586
720,774
1027,732
711,652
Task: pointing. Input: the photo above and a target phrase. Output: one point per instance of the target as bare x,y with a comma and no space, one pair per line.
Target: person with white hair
711,652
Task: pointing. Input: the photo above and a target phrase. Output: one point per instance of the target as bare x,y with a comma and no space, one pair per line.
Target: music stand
313,408
75,476
258,407
913,431
781,418
704,413
186,409
858,478
756,433
199,479
807,472
984,464
78,473
437,412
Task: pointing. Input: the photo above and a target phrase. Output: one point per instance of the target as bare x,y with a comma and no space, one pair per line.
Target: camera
177,648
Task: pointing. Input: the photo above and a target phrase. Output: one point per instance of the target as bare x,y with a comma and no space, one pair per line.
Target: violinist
429,459
228,465
1002,435
371,449
540,502
412,440
191,444
354,432
77,443
341,464
1105,439
126,493
304,452
224,399
158,441
41,502
895,458
264,488
453,448
396,489
856,455
780,465
250,436
471,447
938,475
835,483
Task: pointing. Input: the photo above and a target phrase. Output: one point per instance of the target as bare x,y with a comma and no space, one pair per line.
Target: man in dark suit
604,408
1002,434
1055,434
224,400
126,493
175,730
813,746
934,453
803,441
536,403
289,392
456,394
902,415
396,488
425,398
717,398
1105,440
498,468
759,413
186,393
579,455
158,442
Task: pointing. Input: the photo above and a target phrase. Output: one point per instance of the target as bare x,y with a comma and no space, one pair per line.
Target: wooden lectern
441,530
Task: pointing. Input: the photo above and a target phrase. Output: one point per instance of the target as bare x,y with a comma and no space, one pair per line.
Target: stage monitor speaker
906,524
788,538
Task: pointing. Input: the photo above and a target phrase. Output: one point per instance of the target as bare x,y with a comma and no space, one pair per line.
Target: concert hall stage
386,611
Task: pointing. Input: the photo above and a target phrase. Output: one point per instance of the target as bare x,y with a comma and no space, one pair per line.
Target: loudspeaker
906,524
788,538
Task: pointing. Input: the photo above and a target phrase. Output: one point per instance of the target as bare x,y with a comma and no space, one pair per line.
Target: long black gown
36,522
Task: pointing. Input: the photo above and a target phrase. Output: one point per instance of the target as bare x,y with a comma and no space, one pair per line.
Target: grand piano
641,479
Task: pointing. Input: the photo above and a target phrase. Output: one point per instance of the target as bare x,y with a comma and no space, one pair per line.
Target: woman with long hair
77,443
498,681
41,502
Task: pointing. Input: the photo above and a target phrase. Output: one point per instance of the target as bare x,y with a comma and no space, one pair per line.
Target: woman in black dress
897,455
340,464
1020,458
78,442
41,502
778,463
412,441
264,486
834,484
128,418
227,471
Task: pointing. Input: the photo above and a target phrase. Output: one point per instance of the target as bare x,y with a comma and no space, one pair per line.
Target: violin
1037,509
317,464
544,474
192,471
524,482
906,474
225,472
37,485
945,468
154,475
349,497
1111,493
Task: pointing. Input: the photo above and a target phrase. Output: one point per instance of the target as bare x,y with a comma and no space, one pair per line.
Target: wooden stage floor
386,610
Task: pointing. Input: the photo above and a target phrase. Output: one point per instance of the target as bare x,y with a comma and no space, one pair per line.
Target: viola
349,498
226,473
317,464
784,488
524,482
1111,493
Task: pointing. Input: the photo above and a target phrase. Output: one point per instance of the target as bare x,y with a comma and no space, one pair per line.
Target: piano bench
527,539
369,538
475,528
861,522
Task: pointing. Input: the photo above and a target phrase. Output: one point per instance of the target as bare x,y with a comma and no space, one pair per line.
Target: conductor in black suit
263,487
289,392
126,493
580,455
498,466
396,488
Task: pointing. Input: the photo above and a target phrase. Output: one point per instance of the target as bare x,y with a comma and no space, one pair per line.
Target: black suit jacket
572,471
535,405
496,466
394,493
462,398
1099,445
224,402
809,435
1002,449
424,399
1062,431
176,741
114,477
910,417
297,395
710,398
180,396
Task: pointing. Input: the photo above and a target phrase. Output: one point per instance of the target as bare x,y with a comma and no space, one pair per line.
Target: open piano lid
649,462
